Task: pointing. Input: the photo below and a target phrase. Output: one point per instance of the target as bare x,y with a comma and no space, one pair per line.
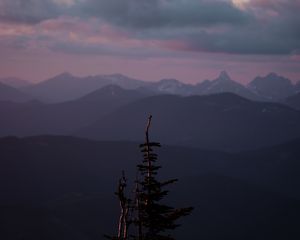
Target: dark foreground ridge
55,187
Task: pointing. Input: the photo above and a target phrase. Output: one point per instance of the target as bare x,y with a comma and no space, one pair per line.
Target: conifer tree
155,218
152,220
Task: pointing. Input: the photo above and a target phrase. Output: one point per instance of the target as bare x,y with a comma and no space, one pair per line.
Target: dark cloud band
264,27
28,11
158,13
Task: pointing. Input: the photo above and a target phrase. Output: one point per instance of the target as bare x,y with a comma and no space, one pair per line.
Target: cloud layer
152,29
28,11
255,27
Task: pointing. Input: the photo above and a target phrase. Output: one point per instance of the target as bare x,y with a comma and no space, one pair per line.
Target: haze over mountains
66,87
235,149
214,114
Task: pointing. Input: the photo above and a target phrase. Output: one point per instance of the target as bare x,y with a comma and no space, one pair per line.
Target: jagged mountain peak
225,84
169,80
64,74
116,75
110,92
272,74
58,78
170,83
171,86
224,76
272,86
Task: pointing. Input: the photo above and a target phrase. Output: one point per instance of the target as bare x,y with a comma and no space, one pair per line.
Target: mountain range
34,117
214,114
225,84
66,87
234,148
222,121
272,87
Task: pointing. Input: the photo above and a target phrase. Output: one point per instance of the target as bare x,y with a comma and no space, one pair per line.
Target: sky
190,40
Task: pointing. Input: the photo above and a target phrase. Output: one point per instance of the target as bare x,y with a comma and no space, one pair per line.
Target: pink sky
169,40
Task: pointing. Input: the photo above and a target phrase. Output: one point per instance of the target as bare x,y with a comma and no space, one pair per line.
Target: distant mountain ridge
66,87
272,87
33,118
15,82
225,84
170,86
222,121
216,121
8,93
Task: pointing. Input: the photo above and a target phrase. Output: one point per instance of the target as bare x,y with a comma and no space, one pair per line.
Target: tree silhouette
152,220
